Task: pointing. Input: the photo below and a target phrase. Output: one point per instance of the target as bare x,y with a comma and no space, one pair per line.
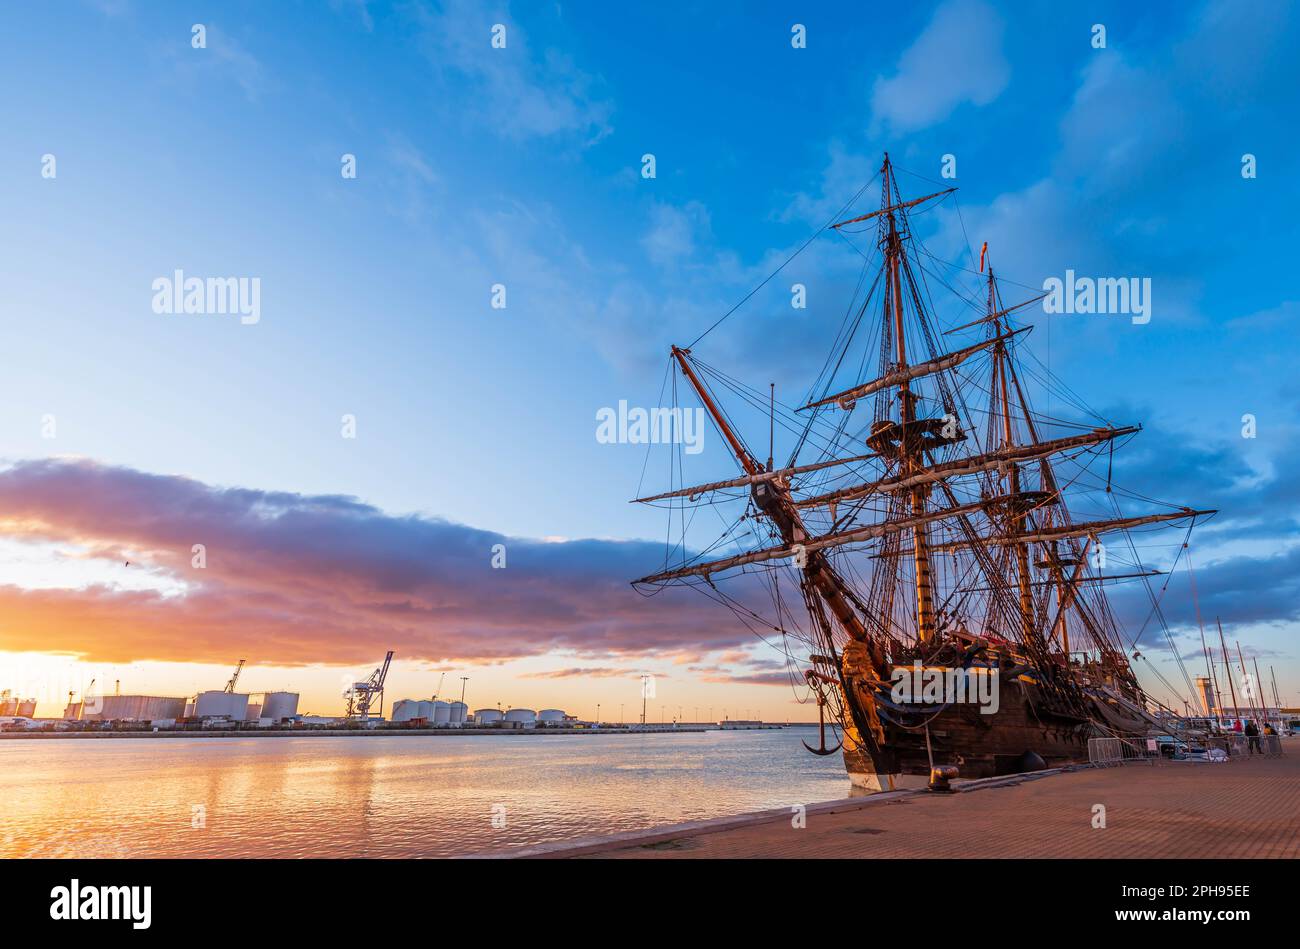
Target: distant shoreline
380,732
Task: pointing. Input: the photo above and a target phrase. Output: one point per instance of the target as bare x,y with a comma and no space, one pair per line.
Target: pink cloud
294,578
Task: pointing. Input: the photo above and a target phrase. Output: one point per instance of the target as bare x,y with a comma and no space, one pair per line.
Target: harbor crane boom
230,686
363,695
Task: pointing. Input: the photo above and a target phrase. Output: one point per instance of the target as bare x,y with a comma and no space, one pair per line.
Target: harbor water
373,796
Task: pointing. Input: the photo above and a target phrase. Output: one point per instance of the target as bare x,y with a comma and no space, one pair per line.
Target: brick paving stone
1245,808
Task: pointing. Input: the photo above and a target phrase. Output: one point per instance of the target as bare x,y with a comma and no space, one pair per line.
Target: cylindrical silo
550,716
406,709
221,705
487,716
277,706
521,718
426,710
459,712
139,708
441,713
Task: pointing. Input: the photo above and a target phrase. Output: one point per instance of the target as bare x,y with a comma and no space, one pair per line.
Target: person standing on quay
1252,733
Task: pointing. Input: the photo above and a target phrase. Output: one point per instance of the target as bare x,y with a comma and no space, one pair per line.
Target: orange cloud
295,579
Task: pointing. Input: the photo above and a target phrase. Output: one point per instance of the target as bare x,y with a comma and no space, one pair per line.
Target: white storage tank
138,708
426,710
221,705
254,712
550,716
278,706
441,713
459,712
406,709
521,718
487,716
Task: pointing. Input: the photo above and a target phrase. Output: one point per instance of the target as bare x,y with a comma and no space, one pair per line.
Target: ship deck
1245,808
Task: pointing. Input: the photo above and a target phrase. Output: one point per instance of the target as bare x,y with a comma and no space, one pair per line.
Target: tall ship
915,558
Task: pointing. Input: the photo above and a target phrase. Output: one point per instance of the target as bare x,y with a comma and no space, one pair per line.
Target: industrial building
277,706
523,718
10,704
520,718
218,704
135,708
434,714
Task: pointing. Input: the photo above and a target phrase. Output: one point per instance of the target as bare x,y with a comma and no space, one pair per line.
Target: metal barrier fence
1233,745
1110,752
1238,746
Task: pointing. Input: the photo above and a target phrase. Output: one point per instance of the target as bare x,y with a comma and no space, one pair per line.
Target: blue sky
521,166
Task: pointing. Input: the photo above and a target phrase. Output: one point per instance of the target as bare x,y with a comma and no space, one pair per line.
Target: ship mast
909,446
863,730
778,506
1018,508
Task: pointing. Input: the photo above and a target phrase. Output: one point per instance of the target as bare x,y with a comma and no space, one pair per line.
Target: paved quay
1248,807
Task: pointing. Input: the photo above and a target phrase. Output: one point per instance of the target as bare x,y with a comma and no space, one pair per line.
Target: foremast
861,725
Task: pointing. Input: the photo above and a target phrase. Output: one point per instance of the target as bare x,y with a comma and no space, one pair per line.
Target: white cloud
957,59
674,231
522,93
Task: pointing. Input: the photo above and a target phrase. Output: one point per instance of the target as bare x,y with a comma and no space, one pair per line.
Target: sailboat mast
1245,678
1259,685
908,450
1227,670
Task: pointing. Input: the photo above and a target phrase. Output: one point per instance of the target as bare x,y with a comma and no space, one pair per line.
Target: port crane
230,686
363,695
81,709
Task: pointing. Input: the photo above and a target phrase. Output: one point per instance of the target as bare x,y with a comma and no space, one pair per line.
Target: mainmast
910,442
1019,510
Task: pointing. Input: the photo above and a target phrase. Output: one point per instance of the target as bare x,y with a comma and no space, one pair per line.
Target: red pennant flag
983,250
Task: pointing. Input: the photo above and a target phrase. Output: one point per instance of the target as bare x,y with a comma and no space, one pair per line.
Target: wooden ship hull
977,744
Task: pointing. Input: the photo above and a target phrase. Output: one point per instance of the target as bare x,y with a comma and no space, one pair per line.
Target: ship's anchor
821,717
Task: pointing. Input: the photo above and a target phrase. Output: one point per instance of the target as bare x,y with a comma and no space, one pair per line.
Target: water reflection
385,796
